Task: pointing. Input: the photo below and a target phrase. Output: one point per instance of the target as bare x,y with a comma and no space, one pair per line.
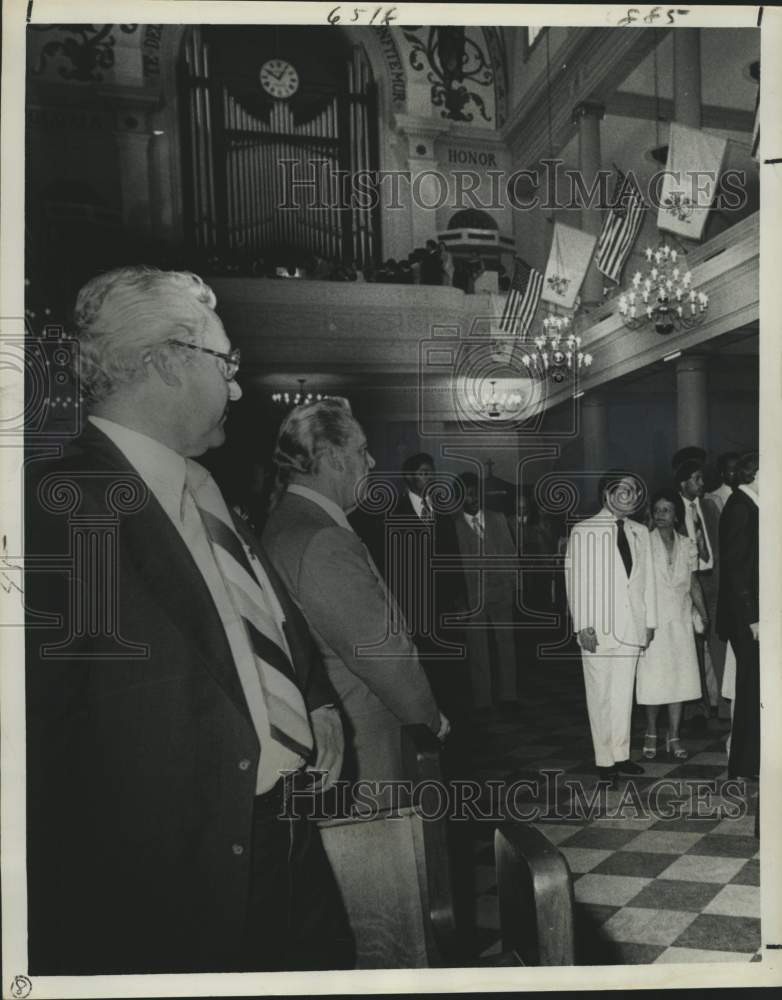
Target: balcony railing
377,329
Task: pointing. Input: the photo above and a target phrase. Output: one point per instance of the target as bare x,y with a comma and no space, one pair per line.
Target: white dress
668,669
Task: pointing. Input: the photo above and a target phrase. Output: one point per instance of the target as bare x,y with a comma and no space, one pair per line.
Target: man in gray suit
491,595
322,457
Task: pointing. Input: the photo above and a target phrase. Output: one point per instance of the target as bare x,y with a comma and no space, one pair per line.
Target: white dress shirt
164,472
418,505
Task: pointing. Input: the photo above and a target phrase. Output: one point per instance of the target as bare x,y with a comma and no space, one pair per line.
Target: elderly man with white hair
174,695
322,458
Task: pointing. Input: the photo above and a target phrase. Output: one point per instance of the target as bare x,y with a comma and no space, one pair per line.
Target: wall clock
279,79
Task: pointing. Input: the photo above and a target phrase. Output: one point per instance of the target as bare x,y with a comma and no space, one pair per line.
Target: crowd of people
227,671
657,617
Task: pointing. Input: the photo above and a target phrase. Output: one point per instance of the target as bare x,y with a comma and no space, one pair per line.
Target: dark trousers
744,760
296,920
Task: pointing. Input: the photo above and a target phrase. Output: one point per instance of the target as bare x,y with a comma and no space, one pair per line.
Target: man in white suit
611,594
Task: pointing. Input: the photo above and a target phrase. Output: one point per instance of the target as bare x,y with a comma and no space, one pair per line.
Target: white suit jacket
599,593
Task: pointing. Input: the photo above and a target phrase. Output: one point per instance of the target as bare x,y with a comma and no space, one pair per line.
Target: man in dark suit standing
701,524
738,614
491,646
173,681
425,575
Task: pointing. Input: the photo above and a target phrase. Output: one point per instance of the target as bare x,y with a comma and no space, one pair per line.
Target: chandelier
298,398
498,404
663,296
557,353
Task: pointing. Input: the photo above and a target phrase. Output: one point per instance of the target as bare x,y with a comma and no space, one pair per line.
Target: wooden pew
394,872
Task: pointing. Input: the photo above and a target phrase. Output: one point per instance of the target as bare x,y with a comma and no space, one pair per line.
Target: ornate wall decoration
87,52
450,58
395,66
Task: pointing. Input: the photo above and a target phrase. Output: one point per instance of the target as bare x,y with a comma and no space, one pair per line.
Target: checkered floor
657,876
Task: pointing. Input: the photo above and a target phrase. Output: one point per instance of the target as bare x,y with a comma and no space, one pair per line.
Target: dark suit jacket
498,586
326,570
447,582
141,770
737,606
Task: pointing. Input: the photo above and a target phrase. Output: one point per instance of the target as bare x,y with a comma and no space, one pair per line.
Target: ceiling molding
589,65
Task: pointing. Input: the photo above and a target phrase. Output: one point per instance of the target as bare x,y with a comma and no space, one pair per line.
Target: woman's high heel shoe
650,746
674,747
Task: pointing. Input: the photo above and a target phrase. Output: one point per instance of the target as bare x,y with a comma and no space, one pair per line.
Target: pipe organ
273,179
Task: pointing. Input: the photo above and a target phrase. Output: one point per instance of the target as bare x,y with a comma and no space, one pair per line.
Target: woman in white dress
668,669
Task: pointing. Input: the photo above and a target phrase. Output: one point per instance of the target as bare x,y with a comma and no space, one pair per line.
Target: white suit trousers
609,683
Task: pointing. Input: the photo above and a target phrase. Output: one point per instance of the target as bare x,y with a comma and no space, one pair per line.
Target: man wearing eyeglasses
174,695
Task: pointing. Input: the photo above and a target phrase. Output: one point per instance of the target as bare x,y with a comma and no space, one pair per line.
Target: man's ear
334,459
165,364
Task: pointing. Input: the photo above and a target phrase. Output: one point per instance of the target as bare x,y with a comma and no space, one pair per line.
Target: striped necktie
288,719
700,534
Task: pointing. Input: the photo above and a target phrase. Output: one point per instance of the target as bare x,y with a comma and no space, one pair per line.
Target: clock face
279,78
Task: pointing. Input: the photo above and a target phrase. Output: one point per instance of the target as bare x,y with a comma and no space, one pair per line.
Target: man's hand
649,637
755,626
587,639
329,744
445,728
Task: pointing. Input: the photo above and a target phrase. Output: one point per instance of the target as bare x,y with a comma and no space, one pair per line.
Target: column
428,191
687,76
133,151
588,115
161,195
594,431
692,414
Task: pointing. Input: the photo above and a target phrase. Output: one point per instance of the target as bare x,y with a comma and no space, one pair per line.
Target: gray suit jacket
328,573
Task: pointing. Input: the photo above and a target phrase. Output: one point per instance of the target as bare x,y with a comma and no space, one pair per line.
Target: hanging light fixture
557,353
664,295
499,404
296,399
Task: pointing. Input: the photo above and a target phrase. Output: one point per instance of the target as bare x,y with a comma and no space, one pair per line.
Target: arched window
276,120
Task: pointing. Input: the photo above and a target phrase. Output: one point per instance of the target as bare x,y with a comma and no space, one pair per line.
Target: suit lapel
158,555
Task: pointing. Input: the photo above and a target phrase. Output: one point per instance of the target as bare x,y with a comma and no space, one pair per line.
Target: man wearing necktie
701,522
491,597
322,457
427,595
166,732
611,593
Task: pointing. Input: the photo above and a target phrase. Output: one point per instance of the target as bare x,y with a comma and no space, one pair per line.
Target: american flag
522,300
621,227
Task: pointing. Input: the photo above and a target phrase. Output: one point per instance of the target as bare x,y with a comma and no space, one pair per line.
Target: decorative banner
691,177
568,260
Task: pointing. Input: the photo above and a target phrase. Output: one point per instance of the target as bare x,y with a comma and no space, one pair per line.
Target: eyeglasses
229,363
